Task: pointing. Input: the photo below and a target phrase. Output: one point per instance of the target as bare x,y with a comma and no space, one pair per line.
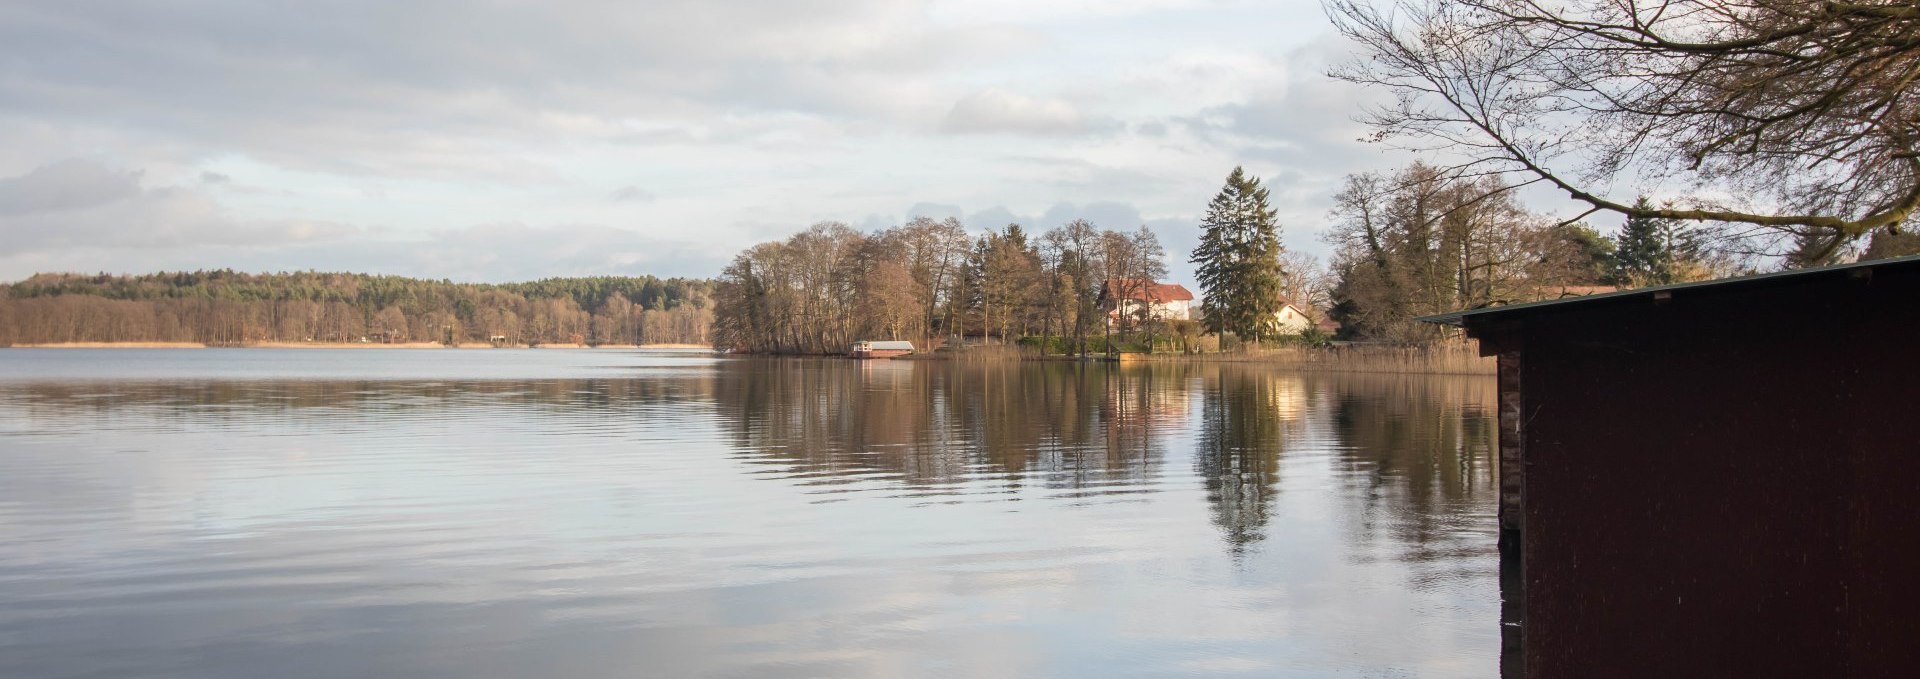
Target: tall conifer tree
1652,250
1238,260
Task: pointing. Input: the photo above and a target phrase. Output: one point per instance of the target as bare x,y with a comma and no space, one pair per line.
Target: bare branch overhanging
1804,104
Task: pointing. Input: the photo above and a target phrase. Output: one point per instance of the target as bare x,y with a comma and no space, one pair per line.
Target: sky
491,140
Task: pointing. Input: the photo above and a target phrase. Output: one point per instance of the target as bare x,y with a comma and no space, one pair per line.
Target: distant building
1291,320
1124,298
880,348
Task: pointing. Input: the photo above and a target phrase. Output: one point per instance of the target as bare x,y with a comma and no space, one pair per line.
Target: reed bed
1453,358
1438,359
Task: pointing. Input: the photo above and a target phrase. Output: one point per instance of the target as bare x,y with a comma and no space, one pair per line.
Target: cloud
80,215
66,185
632,194
1026,11
517,251
438,87
1295,115
933,211
1110,215
370,135
84,204
994,219
995,110
505,251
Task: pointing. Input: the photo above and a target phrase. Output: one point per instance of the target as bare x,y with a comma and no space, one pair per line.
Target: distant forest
229,308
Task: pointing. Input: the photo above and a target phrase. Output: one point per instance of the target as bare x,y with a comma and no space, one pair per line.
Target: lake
601,513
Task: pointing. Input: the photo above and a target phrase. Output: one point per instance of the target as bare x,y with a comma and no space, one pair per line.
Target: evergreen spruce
1238,260
1650,250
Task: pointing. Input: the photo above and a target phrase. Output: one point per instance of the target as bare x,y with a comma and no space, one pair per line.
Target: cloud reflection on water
750,518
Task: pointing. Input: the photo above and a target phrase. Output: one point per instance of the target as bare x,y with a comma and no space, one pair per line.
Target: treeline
229,308
1424,240
1418,241
830,285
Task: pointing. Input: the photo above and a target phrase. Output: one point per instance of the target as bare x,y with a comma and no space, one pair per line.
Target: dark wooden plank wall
1724,484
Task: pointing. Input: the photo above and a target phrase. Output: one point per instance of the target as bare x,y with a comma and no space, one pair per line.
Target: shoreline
1437,360
332,345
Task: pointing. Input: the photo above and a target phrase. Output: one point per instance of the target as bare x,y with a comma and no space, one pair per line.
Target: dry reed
1434,359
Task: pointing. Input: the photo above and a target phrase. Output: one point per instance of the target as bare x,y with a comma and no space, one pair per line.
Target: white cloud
997,110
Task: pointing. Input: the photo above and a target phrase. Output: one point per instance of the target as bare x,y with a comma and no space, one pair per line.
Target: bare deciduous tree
1421,241
1801,114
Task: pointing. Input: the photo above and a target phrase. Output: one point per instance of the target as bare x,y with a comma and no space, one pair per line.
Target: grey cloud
994,219
1106,215
516,251
995,110
934,211
84,204
632,194
66,185
169,217
1079,175
350,86
1300,118
498,107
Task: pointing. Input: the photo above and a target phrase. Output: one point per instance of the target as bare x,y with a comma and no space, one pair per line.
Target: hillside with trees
229,308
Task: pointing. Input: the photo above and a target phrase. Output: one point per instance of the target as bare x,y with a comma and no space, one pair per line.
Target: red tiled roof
1157,293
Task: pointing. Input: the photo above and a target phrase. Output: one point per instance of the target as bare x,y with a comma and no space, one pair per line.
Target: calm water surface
419,513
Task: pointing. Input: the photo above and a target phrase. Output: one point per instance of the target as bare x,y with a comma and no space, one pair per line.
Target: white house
1290,320
1123,298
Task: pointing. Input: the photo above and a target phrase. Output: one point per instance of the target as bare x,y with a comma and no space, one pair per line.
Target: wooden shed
1716,479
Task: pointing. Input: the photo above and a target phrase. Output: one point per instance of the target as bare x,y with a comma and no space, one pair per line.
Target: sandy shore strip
113,345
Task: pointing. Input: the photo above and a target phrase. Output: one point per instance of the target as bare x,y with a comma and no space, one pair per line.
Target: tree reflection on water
1413,453
1416,448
